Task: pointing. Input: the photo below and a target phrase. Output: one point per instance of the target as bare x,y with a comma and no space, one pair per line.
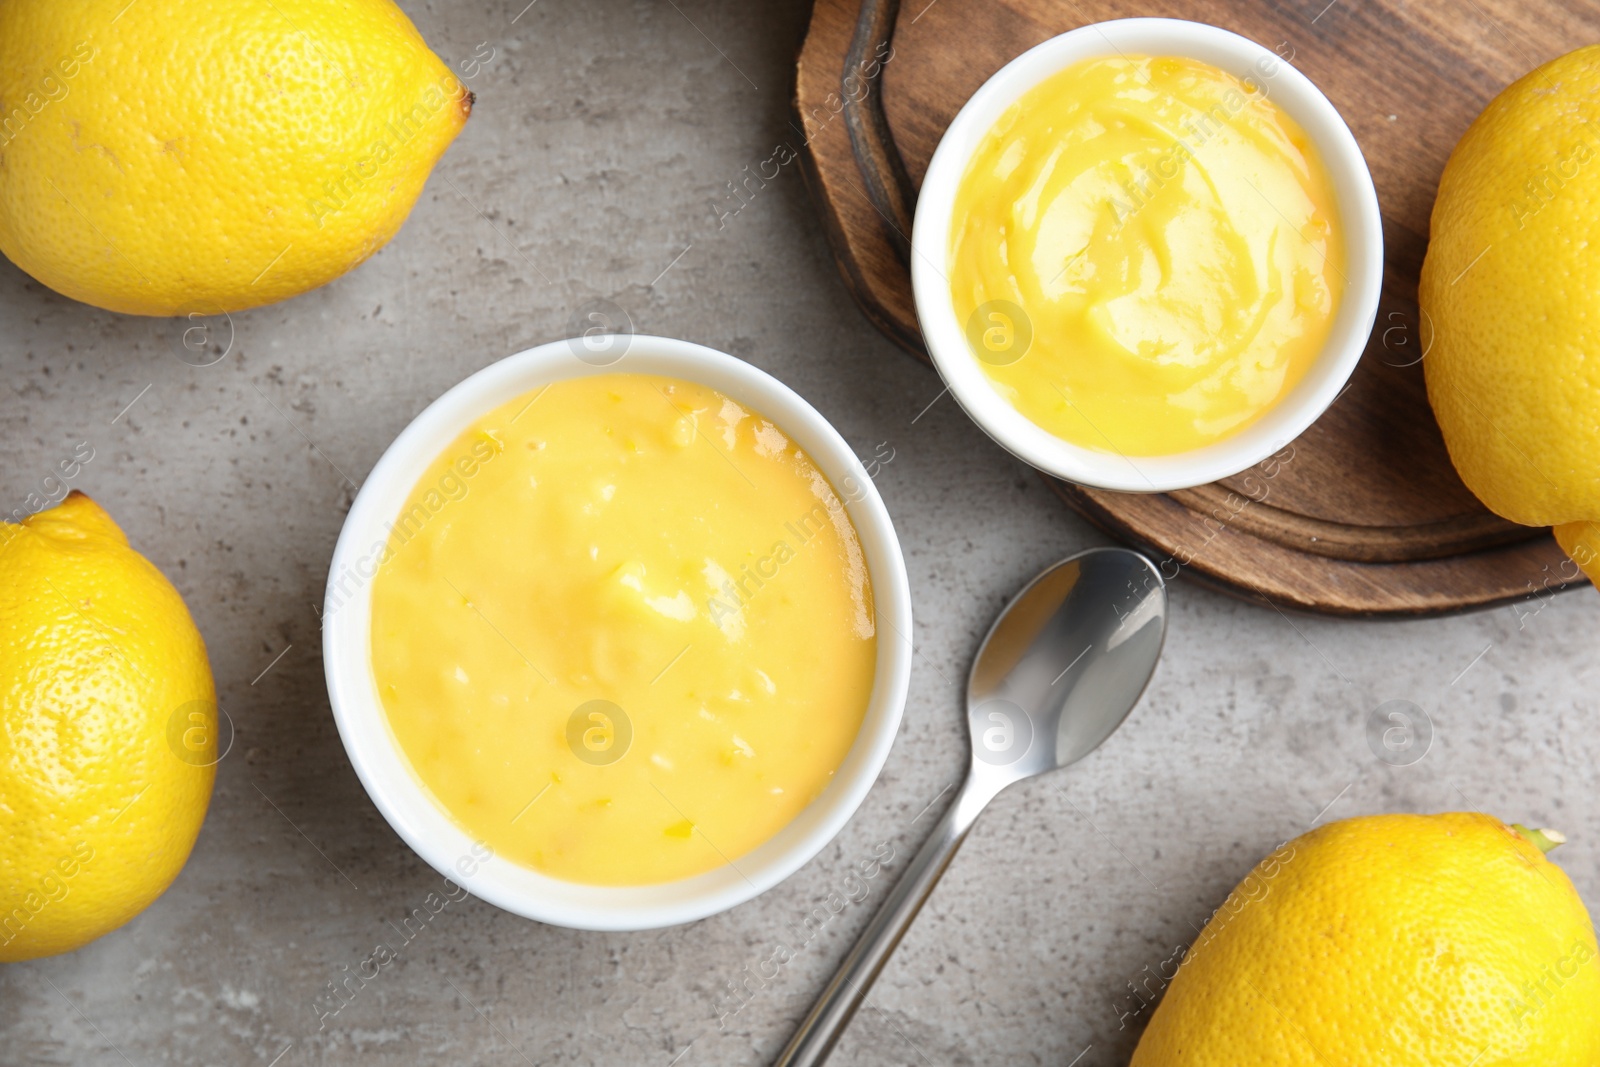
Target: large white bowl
1358,214
372,747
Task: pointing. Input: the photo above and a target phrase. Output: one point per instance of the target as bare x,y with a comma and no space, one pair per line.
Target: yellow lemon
189,157
1403,940
1509,287
107,731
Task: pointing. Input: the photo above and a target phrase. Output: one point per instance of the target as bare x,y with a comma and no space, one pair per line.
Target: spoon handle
832,1012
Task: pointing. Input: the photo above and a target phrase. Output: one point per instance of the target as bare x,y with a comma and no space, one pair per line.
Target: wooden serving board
1365,514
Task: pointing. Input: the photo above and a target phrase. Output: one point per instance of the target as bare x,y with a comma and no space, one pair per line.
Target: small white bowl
357,710
1358,213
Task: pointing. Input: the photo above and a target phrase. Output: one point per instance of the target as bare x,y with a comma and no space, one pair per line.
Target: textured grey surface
603,139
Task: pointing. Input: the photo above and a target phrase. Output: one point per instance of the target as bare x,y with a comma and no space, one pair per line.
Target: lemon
1509,286
107,731
1403,940
189,157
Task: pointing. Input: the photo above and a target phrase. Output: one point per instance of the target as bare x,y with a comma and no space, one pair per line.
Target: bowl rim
1360,220
382,768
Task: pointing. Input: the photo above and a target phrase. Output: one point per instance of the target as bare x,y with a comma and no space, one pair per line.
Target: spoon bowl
1062,666
1040,696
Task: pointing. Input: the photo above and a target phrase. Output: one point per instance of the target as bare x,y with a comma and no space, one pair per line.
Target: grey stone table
597,163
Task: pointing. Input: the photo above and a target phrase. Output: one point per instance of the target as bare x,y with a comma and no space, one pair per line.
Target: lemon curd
1146,254
623,630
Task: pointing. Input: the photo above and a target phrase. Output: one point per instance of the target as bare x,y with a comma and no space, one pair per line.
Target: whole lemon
202,156
107,731
1509,287
1403,940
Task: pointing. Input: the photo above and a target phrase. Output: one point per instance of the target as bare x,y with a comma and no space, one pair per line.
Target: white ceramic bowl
377,758
1358,211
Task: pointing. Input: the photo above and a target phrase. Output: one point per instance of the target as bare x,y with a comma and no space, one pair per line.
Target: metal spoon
1059,671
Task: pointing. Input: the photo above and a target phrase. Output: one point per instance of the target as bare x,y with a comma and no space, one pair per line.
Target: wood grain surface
1364,514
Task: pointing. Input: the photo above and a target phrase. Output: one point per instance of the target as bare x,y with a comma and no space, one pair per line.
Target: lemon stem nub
1545,840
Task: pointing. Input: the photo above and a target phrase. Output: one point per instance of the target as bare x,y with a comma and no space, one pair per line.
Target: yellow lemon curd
1146,254
623,630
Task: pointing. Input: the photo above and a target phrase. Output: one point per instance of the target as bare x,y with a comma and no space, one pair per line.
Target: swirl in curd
1146,254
